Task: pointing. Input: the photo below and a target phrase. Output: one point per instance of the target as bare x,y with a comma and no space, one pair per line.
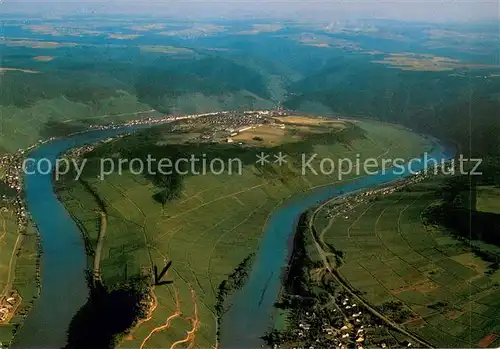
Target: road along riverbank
252,309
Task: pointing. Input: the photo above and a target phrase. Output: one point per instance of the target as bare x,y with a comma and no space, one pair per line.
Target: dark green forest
247,71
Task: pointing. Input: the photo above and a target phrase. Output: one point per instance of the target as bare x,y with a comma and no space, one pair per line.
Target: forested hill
60,75
462,106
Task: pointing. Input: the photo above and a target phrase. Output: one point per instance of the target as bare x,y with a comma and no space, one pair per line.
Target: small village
222,124
8,306
347,325
12,195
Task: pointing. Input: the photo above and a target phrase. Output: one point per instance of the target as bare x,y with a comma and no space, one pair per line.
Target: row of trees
234,282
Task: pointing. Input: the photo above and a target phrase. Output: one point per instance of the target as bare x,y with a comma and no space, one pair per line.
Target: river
63,264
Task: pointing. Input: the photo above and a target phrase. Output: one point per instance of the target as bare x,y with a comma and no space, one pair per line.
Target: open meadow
209,224
487,199
438,286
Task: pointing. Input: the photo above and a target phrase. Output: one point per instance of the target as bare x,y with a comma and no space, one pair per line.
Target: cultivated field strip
390,256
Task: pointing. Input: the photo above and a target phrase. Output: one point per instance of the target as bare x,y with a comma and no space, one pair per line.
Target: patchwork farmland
417,275
18,271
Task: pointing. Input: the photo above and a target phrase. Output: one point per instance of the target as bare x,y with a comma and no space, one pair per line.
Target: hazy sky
420,10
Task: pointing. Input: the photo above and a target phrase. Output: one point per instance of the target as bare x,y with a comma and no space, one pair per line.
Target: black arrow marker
158,278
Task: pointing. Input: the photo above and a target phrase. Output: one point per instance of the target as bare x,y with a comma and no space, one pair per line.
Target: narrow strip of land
100,242
12,264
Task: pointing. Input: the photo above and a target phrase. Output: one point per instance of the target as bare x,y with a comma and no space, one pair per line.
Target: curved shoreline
64,261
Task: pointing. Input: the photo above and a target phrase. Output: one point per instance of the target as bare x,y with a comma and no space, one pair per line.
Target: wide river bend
63,264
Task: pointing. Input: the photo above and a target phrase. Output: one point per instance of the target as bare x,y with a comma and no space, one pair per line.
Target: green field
61,75
451,294
487,199
9,235
211,227
22,127
18,267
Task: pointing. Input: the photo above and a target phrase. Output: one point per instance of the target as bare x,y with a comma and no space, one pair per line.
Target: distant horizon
428,11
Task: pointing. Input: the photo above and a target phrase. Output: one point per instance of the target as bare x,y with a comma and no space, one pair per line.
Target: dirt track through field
100,244
176,314
191,335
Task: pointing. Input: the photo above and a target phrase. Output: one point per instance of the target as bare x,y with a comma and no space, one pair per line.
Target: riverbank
62,270
20,253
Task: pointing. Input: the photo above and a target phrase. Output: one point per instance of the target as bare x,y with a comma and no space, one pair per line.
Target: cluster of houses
350,202
240,117
80,151
228,124
345,325
224,123
11,165
163,119
12,168
348,325
342,326
8,306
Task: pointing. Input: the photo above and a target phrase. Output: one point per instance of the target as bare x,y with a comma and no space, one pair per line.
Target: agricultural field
18,271
418,275
210,223
22,127
419,62
291,129
487,199
9,238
